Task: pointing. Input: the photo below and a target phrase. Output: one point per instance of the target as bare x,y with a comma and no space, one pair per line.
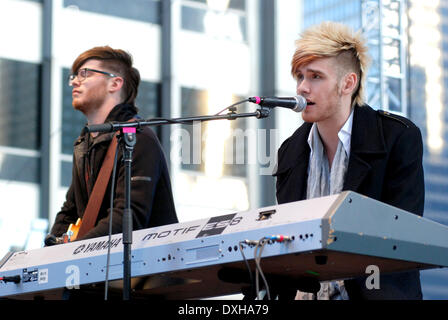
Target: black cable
262,242
260,246
257,270
15,279
251,278
268,292
112,191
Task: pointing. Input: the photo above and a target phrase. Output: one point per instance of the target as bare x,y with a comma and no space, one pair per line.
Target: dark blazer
385,164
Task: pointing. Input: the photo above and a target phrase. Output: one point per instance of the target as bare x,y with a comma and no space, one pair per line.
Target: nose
303,87
75,82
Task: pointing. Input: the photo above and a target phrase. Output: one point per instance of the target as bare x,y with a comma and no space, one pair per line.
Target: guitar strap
99,189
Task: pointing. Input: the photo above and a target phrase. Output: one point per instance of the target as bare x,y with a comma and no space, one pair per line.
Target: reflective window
226,151
66,173
194,102
217,22
141,10
14,167
148,99
346,11
72,121
20,104
394,94
230,4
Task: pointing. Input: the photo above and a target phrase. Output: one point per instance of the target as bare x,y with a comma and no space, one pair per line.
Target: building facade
197,57
407,47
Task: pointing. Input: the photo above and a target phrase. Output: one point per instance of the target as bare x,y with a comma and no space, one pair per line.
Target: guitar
96,198
72,231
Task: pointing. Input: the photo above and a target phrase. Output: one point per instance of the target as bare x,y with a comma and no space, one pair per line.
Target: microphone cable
111,211
259,247
15,279
251,278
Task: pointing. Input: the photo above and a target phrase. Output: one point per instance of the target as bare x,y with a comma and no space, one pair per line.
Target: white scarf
321,180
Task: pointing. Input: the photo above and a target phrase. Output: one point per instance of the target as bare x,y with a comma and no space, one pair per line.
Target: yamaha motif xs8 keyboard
328,238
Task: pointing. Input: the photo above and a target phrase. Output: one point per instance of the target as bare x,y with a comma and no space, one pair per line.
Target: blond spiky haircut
332,39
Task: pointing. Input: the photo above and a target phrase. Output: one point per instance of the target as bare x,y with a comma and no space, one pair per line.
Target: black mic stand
129,140
128,130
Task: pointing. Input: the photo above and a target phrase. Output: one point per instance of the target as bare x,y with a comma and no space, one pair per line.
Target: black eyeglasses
83,73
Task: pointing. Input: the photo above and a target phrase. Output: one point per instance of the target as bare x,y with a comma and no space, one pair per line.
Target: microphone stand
129,138
128,130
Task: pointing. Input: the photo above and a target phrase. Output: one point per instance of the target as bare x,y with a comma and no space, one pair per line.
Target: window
20,104
224,24
233,139
140,10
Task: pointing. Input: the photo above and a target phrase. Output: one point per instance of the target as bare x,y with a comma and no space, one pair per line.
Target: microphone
297,103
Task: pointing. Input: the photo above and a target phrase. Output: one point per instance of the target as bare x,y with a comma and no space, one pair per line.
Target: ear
349,84
115,84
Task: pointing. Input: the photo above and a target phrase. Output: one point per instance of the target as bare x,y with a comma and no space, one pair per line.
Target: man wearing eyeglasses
105,86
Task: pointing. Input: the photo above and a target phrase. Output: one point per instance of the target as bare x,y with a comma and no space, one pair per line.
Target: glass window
72,121
234,158
193,18
194,103
232,4
141,10
236,147
346,11
394,94
148,100
66,173
224,25
20,105
23,168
